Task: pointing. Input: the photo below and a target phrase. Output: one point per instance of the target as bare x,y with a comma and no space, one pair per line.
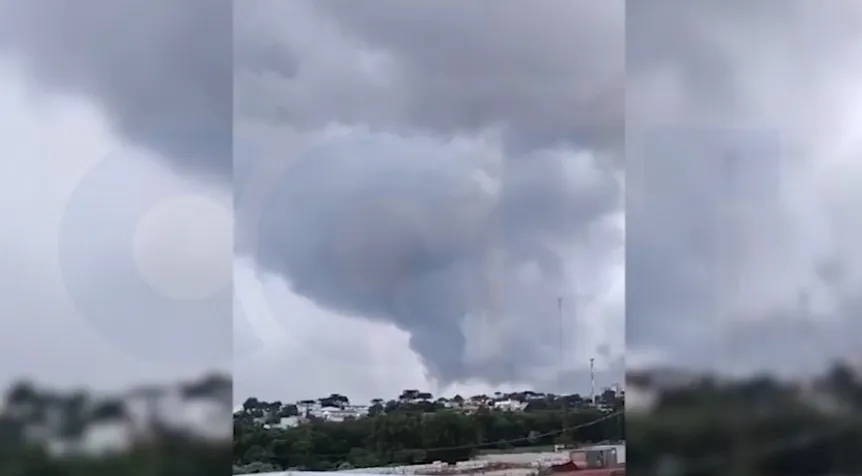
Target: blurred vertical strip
737,317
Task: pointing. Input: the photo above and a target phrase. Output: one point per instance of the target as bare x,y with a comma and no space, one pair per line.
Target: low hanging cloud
467,255
161,70
475,182
438,67
447,168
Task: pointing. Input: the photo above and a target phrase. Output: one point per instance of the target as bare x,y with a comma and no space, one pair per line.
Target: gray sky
775,86
118,237
416,185
504,198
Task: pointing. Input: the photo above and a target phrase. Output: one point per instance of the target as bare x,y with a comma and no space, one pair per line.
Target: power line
562,369
481,445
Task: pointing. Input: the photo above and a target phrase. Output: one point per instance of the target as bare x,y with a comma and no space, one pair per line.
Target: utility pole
563,432
728,269
621,411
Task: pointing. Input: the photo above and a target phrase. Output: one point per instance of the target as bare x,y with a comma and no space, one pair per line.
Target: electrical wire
481,445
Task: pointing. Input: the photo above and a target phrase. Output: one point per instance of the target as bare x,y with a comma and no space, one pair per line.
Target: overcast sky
415,188
117,235
776,87
417,183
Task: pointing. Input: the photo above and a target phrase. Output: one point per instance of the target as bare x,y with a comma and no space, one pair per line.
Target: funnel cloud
447,170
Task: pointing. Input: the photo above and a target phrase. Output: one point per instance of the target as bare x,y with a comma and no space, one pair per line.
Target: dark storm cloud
733,104
160,69
399,230
545,72
391,223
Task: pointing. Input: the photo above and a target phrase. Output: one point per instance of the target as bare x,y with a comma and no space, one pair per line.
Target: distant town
338,408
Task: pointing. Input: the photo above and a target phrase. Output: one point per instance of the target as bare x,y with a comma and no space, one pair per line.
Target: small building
599,456
510,405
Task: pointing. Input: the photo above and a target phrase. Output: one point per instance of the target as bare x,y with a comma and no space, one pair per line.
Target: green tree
407,433
163,453
755,426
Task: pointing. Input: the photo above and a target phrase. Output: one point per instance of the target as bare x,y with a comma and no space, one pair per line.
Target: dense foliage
168,455
754,427
414,432
35,420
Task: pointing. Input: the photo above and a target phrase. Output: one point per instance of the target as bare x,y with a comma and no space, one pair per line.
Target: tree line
35,420
415,430
759,426
273,411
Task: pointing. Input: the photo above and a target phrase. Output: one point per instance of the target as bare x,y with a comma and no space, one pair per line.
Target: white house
510,405
336,413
